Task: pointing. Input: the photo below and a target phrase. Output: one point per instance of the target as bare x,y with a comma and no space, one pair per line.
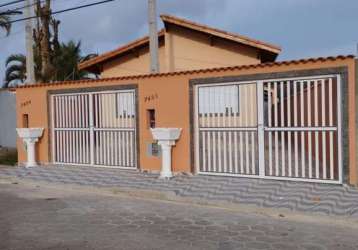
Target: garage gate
277,129
96,128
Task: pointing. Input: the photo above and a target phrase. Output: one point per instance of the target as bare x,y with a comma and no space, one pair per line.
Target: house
245,116
8,119
183,45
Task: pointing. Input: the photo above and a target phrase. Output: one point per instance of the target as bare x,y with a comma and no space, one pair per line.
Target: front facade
291,120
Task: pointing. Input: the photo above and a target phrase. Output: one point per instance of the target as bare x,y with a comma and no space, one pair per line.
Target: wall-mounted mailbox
154,149
151,118
25,120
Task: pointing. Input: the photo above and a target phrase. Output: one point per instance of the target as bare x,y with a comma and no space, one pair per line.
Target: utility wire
28,5
18,32
17,9
13,2
25,6
64,10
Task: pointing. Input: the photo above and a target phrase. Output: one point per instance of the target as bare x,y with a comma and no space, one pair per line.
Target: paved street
38,216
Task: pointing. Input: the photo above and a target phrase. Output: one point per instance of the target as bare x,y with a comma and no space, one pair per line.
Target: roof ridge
166,16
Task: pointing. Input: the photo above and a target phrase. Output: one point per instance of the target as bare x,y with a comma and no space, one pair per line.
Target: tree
15,69
5,20
64,61
43,37
5,23
54,61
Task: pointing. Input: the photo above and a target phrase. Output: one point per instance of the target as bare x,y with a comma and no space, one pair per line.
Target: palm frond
5,23
16,58
15,69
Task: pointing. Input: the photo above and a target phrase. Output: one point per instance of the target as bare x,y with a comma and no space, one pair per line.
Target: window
219,100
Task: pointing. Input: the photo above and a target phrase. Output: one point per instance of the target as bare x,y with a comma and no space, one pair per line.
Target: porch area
280,195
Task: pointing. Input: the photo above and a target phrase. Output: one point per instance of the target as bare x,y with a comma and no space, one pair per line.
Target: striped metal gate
286,128
95,128
227,129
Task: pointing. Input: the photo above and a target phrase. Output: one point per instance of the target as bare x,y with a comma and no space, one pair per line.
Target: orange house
183,45
241,113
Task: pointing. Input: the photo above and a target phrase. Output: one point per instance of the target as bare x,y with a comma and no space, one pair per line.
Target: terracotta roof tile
197,71
118,51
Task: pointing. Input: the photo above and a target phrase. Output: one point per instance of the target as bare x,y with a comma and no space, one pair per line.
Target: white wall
7,119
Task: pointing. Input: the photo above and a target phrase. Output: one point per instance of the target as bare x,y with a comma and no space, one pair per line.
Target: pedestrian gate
279,129
96,128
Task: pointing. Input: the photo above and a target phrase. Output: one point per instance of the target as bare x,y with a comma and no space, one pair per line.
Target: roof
271,50
221,33
120,50
196,71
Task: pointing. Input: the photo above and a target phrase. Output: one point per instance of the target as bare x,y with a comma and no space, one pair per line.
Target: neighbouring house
241,113
7,119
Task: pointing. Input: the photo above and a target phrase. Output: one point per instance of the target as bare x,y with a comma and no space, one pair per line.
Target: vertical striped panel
74,113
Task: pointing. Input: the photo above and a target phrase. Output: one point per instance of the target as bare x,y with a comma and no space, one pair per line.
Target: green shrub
8,158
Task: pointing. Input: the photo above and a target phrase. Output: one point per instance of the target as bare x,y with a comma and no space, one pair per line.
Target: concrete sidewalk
43,216
323,199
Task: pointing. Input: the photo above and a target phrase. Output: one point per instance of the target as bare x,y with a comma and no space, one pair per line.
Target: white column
30,146
166,146
30,136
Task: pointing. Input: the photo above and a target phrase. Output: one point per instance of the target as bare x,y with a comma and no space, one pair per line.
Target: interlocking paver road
37,216
296,196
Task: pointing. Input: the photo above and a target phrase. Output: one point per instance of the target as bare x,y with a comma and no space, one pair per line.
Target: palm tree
15,70
65,60
5,22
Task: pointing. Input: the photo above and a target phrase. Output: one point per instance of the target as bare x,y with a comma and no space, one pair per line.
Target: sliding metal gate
279,129
96,128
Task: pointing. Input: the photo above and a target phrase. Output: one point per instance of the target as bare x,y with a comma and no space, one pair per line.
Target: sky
303,28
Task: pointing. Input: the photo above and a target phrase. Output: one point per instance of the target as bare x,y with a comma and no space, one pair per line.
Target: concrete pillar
166,147
30,146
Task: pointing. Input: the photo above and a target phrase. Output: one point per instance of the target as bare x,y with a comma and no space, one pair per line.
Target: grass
8,158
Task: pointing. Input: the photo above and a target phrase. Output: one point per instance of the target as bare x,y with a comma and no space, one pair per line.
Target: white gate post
53,153
91,125
196,130
260,127
339,128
